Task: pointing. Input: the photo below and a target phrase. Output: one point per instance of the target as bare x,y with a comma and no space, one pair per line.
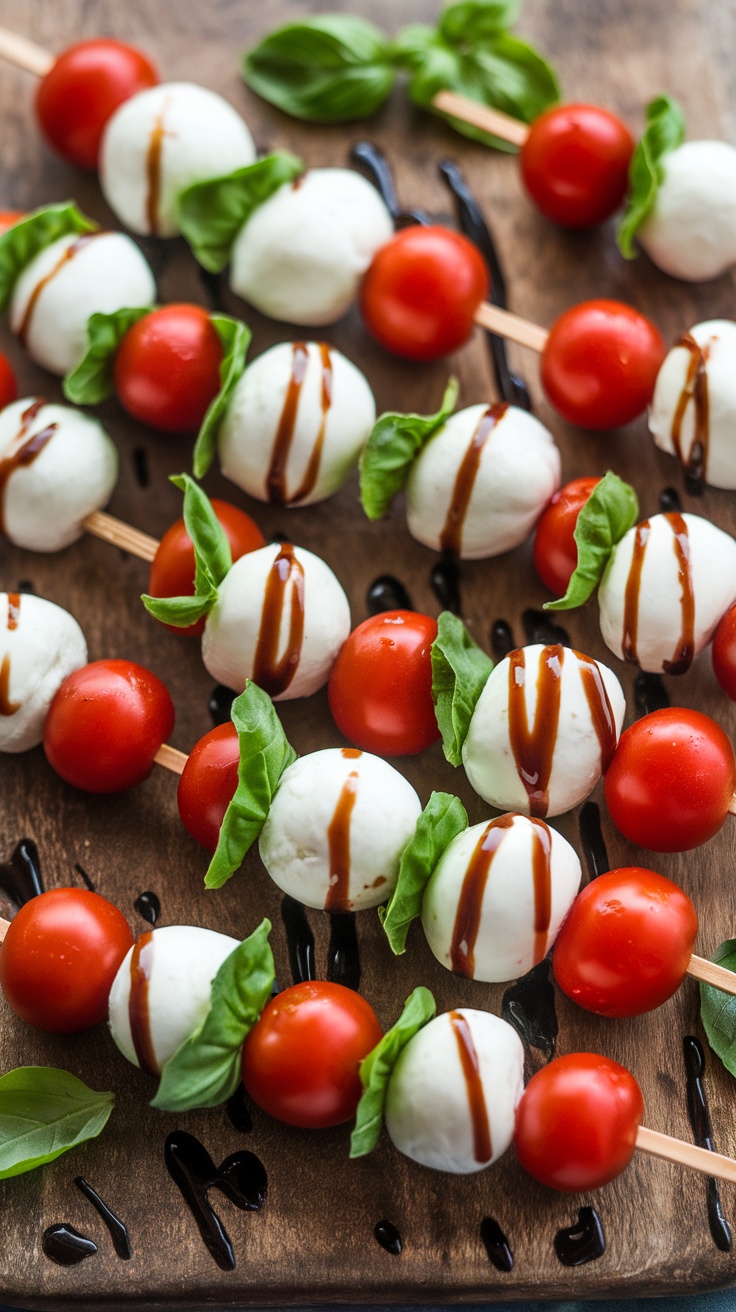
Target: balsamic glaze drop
81,871
140,466
118,1229
387,593
669,500
237,1111
502,640
583,1242
21,878
650,693
26,586
445,582
591,840
220,704
529,1005
212,287
343,957
241,1177
149,907
388,1237
299,940
539,627
366,153
65,1246
699,1114
496,1244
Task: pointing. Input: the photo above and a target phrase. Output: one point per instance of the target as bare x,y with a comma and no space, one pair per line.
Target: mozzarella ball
695,400
301,255
280,619
690,232
494,883
336,829
296,424
160,142
561,755
40,644
484,508
428,1101
654,627
180,962
73,278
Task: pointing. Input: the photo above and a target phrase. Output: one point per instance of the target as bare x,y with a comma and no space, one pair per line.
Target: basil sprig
92,380
718,1010
206,1070
665,131
376,1068
28,237
235,337
212,213
212,556
608,514
43,1113
391,449
460,670
443,818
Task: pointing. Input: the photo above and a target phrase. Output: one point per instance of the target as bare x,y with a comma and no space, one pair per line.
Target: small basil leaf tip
212,213
460,670
443,818
92,380
43,1113
376,1068
392,447
235,337
212,556
610,511
31,235
664,132
718,1010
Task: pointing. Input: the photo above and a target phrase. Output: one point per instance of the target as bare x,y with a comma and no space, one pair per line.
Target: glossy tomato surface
105,725
724,653
60,956
380,688
167,368
575,164
626,942
555,549
8,385
301,1060
576,1123
208,782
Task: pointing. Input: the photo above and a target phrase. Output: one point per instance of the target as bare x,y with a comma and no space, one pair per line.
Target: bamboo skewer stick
710,973
732,805
172,759
685,1154
118,534
511,326
25,54
481,116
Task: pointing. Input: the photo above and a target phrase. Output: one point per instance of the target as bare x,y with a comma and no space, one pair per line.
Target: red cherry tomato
626,943
555,549
575,164
724,653
105,725
208,782
60,957
300,1062
420,294
380,688
8,385
167,369
9,218
600,364
172,568
671,779
83,89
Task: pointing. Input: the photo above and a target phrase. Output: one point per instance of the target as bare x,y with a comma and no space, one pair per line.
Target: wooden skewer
119,534
480,116
710,973
511,326
685,1154
24,54
172,759
732,805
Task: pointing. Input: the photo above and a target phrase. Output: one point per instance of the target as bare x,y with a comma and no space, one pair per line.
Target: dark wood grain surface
313,1240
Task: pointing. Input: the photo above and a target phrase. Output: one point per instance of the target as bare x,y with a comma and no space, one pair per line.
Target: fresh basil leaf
206,1070
235,337
212,213
460,670
23,242
212,560
43,1113
608,514
718,1010
376,1068
443,818
182,612
92,381
470,21
327,69
265,753
664,132
391,448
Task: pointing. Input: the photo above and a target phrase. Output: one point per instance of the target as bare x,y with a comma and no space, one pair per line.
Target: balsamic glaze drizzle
650,693
212,287
26,586
140,466
83,873
445,583
241,1177
540,627
387,593
699,1114
496,1244
591,840
582,1242
148,906
388,1237
299,940
372,159
236,1110
502,640
220,704
529,1005
21,877
118,1229
343,956
669,500
65,1246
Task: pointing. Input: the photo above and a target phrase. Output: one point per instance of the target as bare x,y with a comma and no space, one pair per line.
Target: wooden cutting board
313,1241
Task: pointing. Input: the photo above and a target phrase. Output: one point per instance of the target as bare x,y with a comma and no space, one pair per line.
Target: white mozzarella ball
482,507
180,962
60,466
73,278
654,627
690,232
336,829
301,255
695,401
561,755
280,619
495,883
160,142
40,645
428,1108
296,424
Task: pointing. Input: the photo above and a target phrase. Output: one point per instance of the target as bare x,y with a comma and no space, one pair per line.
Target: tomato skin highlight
207,784
59,958
724,653
626,943
167,368
555,549
575,164
576,1122
301,1060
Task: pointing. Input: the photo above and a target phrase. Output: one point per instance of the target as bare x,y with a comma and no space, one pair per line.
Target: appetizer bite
693,410
40,645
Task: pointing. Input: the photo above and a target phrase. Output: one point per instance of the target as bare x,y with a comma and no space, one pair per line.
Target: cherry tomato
626,943
208,782
555,548
380,689
671,779
420,294
60,956
724,653
300,1061
167,369
575,164
576,1123
83,89
8,385
172,568
600,364
105,725
9,218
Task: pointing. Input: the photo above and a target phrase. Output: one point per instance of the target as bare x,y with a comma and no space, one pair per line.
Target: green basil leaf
23,242
376,1068
43,1113
327,69
235,337
718,1010
664,132
470,21
182,612
91,381
391,448
443,818
460,670
212,213
610,511
206,1070
265,753
212,560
